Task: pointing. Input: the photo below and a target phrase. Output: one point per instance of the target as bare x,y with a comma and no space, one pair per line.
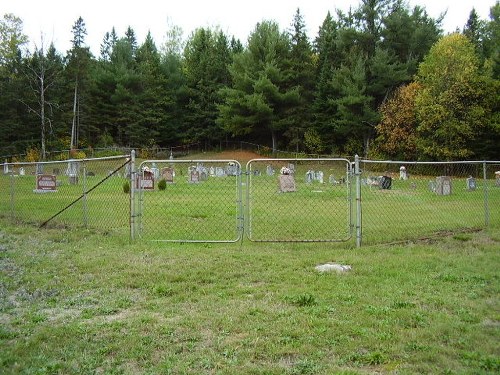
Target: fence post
357,173
132,195
486,203
84,183
12,195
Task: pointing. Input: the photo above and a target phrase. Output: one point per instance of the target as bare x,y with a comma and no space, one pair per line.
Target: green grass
75,301
215,209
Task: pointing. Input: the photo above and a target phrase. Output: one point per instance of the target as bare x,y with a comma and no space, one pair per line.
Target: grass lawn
77,301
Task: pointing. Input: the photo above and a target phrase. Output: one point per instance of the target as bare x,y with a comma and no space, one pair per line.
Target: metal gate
189,200
299,200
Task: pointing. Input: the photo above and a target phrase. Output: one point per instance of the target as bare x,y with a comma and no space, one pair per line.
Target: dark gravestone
385,182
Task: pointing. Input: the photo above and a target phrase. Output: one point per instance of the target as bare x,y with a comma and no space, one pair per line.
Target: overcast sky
53,19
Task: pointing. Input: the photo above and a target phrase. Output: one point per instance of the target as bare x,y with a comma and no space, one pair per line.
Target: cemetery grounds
84,299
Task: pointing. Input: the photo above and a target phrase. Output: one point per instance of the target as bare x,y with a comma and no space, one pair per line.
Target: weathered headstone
471,184
21,171
194,176
72,172
497,178
385,182
270,170
432,186
232,169
402,173
309,176
212,171
319,176
286,183
443,185
220,172
38,168
6,167
168,175
155,171
146,181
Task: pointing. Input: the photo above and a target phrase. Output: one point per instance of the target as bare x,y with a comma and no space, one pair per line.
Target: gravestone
286,183
147,182
270,170
443,185
220,172
203,175
291,167
232,169
332,180
45,183
155,170
212,171
385,182
309,176
21,171
432,186
402,173
319,176
471,184
168,175
497,178
6,167
194,176
38,168
72,172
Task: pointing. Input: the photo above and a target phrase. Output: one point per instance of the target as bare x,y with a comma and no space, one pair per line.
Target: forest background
380,80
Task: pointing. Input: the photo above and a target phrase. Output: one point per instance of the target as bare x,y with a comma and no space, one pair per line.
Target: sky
46,21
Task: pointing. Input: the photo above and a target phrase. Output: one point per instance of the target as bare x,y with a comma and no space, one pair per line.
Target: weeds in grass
76,302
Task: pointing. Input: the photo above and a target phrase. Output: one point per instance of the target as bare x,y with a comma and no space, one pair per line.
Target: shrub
162,184
126,187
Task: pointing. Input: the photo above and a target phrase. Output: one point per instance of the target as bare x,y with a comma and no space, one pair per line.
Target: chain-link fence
407,200
81,193
189,200
268,200
298,200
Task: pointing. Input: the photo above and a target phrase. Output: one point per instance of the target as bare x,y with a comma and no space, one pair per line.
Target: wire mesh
414,200
190,200
82,193
298,200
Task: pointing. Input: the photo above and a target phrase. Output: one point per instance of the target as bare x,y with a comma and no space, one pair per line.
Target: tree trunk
73,127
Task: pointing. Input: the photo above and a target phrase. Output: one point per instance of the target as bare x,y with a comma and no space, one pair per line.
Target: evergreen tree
261,97
302,76
79,60
12,111
206,61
